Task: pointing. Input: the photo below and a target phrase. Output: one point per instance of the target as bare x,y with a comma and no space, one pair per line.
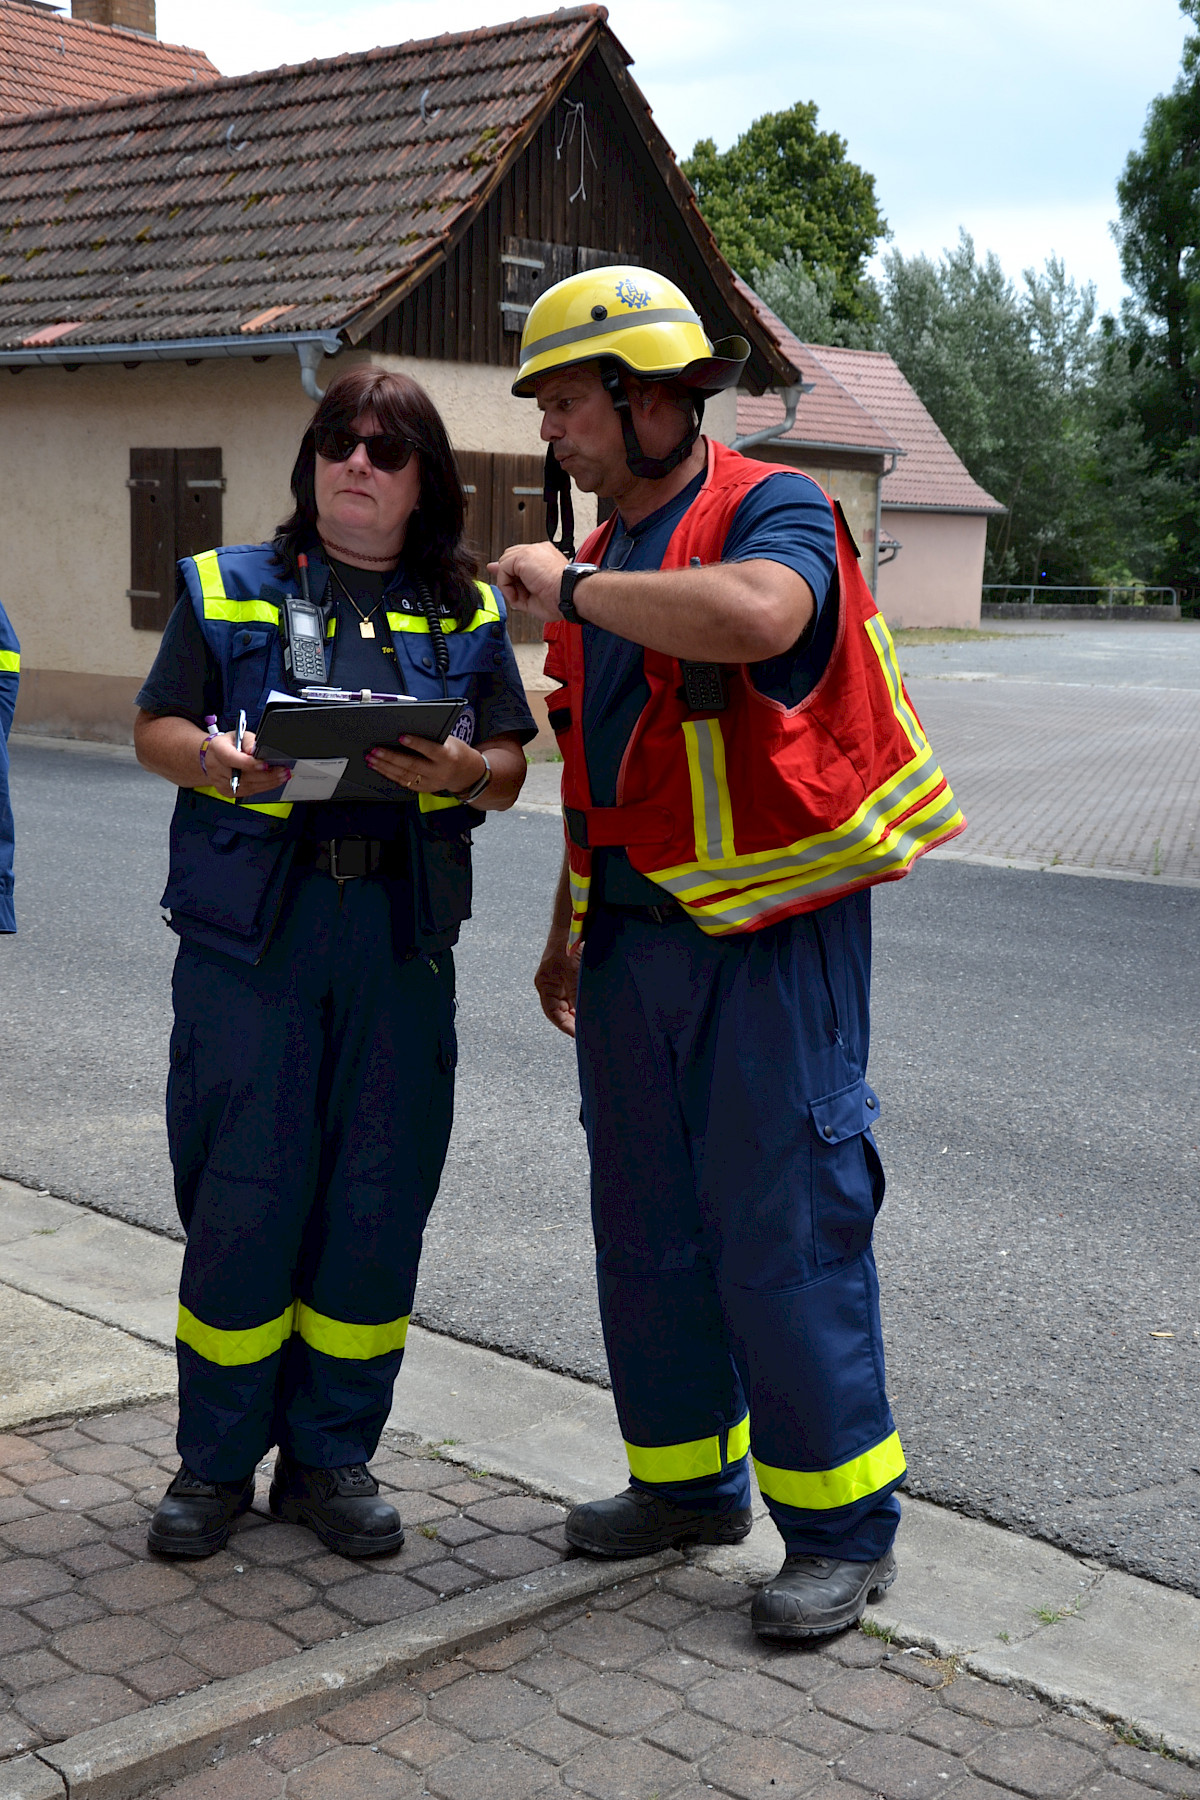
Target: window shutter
152,538
519,517
530,267
475,470
199,486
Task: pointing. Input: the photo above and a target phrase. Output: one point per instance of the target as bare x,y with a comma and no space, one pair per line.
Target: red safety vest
761,810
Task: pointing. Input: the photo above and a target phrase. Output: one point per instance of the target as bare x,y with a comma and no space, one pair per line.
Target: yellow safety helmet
630,316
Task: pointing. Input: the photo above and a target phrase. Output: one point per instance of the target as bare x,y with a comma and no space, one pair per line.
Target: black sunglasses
386,450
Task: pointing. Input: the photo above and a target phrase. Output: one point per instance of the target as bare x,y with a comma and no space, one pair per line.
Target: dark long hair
434,550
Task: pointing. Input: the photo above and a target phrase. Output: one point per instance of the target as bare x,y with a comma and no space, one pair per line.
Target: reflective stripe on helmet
597,328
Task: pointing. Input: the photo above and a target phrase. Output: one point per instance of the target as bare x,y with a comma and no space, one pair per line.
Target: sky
1011,118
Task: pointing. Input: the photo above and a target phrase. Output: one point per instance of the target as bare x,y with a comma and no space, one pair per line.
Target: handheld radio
303,634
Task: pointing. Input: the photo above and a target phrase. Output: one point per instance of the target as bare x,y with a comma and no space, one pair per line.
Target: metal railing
1031,589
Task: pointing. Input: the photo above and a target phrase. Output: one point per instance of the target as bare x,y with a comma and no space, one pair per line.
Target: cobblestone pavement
1104,778
658,1688
92,1628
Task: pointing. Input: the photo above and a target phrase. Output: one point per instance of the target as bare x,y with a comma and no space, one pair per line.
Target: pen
241,732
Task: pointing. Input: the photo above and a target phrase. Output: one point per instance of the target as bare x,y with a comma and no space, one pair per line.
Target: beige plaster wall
937,577
855,488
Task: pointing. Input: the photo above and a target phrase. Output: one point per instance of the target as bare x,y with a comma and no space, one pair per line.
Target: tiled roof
929,474
50,60
294,200
827,416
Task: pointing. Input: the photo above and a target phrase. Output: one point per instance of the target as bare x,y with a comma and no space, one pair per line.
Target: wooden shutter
199,486
530,266
152,538
475,470
519,517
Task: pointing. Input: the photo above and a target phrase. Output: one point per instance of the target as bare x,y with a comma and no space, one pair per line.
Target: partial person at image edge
740,764
311,1080
10,675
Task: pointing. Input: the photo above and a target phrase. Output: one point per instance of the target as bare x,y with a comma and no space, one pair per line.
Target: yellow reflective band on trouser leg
234,1349
666,1464
820,1490
353,1343
10,662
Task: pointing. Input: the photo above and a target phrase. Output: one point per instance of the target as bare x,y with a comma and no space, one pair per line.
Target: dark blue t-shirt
785,518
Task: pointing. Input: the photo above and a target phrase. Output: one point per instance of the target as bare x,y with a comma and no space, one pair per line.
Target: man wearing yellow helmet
741,764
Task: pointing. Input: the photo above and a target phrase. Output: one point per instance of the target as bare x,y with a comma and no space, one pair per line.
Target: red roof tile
929,474
48,60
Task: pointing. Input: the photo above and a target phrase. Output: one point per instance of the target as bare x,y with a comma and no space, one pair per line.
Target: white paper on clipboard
315,777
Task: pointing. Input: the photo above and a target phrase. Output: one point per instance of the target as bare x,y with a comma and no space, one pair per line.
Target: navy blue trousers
735,1185
309,1105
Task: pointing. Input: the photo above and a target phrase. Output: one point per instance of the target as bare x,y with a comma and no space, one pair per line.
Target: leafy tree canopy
786,187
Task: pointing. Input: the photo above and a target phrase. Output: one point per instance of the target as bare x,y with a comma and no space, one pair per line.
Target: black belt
349,858
665,914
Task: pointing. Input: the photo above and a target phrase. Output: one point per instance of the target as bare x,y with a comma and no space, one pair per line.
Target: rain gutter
308,346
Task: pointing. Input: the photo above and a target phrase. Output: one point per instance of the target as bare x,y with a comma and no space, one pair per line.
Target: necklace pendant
366,629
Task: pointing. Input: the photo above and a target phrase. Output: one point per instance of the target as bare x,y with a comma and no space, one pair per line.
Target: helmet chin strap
649,468
556,492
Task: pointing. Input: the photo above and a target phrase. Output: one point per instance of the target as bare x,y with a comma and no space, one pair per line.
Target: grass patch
952,634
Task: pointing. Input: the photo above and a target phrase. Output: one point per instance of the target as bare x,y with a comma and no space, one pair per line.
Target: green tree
807,302
787,187
1159,237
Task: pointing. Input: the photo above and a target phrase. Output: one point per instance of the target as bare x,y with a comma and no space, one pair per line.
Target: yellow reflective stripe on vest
486,613
436,802
820,1490
577,886
885,650
353,1343
218,605
277,809
10,661
688,1462
233,1349
712,804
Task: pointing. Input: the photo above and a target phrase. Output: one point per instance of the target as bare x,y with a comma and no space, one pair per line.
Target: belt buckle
663,911
339,846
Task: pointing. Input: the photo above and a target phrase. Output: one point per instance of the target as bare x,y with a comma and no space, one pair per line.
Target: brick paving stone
235,1646
137,1586
465,1493
512,1648
128,1522
505,1557
431,1681
81,1491
726,1638
874,1700
131,1426
625,1770
519,1512
31,1669
261,1594
23,1579
760,1768
817,1732
456,1530
64,1609
246,1777
49,1533
90,1558
62,1708
424,1743
447,1578
312,1625
372,1599
898,1769
281,1544
1092,1735
17,1633
17,1734
676,1671
35,1468
550,1672
686,1736
957,1732
558,1740
665,1612
616,1599
984,1700
186,1615
1161,1772
291,1748
12,1449
324,1570
489,1772
484,1707
705,1589
1115,1787
617,1705
856,1650
16,1506
365,1721
743,1700
1034,1763
801,1667
165,1677
108,1645
608,1641
105,1459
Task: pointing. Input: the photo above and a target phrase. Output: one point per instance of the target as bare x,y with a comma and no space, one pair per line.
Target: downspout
791,400
883,475
310,355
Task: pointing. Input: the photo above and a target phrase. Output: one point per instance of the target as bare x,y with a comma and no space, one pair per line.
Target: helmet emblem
633,296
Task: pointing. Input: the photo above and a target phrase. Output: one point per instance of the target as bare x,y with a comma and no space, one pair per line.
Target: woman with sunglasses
312,1058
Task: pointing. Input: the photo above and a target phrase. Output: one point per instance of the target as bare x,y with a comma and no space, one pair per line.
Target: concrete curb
165,1743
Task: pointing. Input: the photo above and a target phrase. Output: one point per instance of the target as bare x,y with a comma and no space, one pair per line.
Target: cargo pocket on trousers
847,1175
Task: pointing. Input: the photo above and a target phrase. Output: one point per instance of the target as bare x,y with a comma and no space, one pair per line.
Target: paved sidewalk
659,1688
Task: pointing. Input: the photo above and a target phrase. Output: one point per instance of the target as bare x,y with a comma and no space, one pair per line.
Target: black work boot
194,1515
814,1596
342,1506
636,1523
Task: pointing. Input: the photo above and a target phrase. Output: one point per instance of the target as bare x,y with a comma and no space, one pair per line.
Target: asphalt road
1035,1048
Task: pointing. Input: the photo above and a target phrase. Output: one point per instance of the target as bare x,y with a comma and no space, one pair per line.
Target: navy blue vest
230,862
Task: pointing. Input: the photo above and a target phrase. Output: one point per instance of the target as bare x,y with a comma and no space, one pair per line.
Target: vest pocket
248,660
846,1173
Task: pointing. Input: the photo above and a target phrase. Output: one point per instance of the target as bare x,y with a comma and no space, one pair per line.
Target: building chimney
135,15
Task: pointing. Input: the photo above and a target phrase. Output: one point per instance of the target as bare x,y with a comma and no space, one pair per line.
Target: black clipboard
292,731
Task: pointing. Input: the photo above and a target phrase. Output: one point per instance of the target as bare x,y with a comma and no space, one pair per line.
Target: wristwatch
484,781
572,575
